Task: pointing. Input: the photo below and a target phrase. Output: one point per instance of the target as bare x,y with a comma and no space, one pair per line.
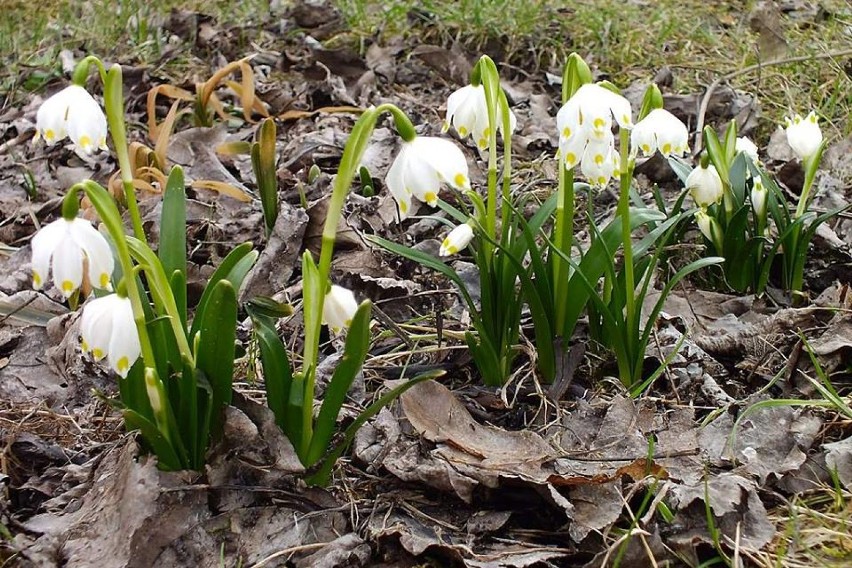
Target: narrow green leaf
154,439
172,251
277,373
233,268
354,352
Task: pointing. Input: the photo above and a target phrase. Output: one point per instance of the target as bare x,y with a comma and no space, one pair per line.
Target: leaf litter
443,476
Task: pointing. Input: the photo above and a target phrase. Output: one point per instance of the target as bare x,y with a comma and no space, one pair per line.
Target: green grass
630,41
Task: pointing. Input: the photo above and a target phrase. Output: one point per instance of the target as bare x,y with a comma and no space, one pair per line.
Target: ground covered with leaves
734,456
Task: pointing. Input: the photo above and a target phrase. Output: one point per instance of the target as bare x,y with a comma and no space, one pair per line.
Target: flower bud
457,240
710,228
759,196
749,148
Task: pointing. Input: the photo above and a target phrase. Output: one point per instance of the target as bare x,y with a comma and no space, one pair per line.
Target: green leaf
172,251
263,161
354,352
154,439
233,268
216,344
277,373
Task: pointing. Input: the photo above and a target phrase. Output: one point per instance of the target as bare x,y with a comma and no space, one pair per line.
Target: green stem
627,242
563,237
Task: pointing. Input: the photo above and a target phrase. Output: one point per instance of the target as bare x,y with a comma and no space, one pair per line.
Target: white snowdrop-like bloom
600,161
660,130
74,113
804,135
456,240
467,112
420,168
585,131
705,186
339,308
759,195
749,148
67,246
108,330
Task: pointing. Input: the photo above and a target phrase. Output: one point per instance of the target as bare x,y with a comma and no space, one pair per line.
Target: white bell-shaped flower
73,112
660,130
746,146
600,161
804,135
420,168
456,240
467,112
705,186
67,246
339,308
759,195
108,329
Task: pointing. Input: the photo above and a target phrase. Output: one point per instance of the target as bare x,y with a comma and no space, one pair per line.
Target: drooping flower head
804,135
710,228
66,246
421,166
108,330
74,113
705,186
339,308
585,130
660,130
759,195
467,112
456,240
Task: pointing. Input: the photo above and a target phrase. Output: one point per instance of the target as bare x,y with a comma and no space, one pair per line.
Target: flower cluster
467,112
585,131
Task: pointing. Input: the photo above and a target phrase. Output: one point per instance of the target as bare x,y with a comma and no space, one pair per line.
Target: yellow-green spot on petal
84,346
625,119
487,132
37,281
98,353
667,148
431,197
462,131
67,286
403,206
104,280
599,122
348,322
460,180
571,158
646,148
123,365
85,141
602,180
599,159
482,143
566,132
49,135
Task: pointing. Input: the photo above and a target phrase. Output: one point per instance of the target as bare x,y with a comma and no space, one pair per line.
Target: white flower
109,330
467,112
660,130
421,166
585,131
456,240
749,148
705,186
759,195
72,112
339,308
600,161
804,135
70,244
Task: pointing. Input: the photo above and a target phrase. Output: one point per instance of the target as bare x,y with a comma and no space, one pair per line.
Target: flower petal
124,346
67,266
395,180
51,117
98,253
445,158
87,124
96,326
44,243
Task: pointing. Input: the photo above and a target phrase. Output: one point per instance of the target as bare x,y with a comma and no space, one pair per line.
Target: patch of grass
631,41
32,34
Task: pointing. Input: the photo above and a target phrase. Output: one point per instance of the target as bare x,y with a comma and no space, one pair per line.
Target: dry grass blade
161,145
151,105
223,188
